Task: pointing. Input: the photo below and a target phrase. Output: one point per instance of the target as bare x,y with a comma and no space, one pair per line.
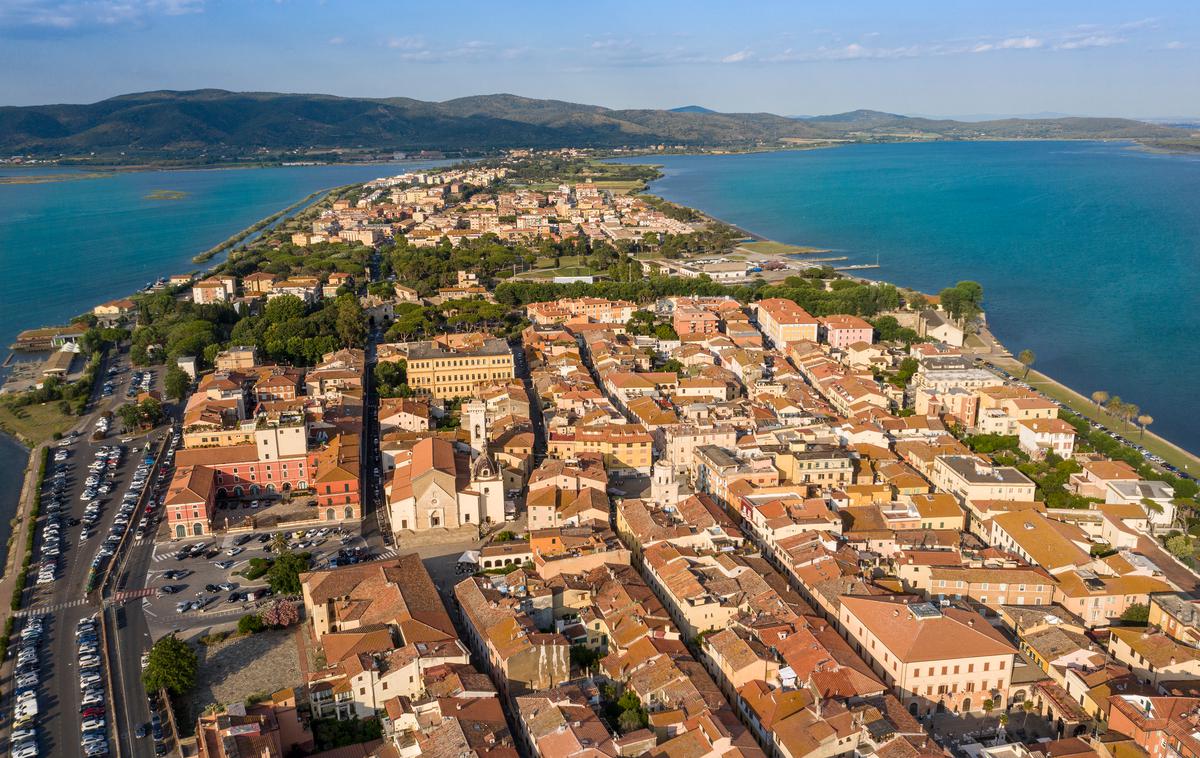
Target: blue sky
941,58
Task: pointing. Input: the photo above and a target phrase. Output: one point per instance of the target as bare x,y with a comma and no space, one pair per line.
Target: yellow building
454,365
625,448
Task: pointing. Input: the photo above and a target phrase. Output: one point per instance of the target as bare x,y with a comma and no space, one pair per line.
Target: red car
95,710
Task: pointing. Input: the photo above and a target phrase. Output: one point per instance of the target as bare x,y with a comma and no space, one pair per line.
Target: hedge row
31,533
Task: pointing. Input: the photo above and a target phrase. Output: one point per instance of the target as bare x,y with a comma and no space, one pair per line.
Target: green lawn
36,423
550,273
619,186
770,247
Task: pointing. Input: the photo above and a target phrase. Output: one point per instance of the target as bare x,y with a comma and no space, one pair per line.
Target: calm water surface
1089,253
67,245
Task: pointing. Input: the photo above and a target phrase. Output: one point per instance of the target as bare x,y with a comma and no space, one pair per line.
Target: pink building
842,331
695,321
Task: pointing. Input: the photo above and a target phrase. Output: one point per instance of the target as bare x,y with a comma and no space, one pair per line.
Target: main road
63,602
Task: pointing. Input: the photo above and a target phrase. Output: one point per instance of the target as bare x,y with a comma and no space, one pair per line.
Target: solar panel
925,610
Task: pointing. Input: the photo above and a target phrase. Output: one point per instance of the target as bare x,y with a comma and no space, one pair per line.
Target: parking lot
89,499
197,583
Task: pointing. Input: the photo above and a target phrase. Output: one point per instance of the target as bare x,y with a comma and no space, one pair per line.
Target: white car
25,750
22,735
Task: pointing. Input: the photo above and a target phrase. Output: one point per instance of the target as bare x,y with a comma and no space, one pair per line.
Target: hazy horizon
940,58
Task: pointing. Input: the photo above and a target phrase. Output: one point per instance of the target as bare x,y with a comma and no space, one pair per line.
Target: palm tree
1099,397
279,543
1114,405
1026,358
1130,412
1145,420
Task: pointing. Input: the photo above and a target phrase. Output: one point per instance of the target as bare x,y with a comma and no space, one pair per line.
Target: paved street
63,601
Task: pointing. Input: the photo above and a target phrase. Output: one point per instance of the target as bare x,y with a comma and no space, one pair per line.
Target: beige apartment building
934,657
782,321
969,478
454,367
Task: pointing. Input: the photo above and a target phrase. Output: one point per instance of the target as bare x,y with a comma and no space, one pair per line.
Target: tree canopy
172,665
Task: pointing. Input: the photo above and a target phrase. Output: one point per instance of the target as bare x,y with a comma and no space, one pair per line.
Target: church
438,485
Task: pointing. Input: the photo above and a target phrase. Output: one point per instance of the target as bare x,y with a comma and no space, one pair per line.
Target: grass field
770,247
561,261
36,423
550,273
619,186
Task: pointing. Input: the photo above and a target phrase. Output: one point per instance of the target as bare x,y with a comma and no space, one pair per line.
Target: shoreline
1077,402
102,170
232,242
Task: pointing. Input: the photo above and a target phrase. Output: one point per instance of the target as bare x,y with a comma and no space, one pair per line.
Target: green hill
216,124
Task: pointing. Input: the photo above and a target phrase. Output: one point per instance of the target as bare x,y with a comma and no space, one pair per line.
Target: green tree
1099,397
172,665
350,322
629,721
130,415
1180,546
963,301
1138,613
1026,358
251,623
284,308
284,574
176,383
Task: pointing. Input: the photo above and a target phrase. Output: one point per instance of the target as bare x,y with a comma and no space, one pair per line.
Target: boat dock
856,267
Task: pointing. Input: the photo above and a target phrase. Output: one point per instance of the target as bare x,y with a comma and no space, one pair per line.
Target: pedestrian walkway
38,610
126,595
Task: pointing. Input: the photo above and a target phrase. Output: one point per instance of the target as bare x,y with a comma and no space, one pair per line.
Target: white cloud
1092,40
337,40
406,43
417,50
740,56
1012,43
1020,43
1175,45
67,15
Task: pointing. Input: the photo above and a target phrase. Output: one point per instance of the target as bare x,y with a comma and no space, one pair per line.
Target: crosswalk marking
124,595
40,609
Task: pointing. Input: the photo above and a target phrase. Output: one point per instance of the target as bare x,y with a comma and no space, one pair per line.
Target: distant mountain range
216,124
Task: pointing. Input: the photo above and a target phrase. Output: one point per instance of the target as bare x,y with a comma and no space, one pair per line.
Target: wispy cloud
1175,45
1012,43
1091,40
418,50
740,56
337,40
72,15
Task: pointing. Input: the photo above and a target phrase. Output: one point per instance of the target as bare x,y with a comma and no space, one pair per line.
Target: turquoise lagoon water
68,245
1089,253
